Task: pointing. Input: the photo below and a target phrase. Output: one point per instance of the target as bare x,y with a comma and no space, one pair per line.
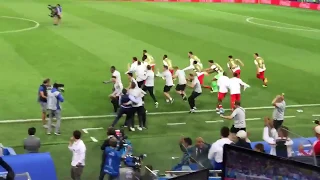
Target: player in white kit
235,84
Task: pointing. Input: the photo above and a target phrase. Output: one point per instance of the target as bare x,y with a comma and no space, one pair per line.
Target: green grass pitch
95,35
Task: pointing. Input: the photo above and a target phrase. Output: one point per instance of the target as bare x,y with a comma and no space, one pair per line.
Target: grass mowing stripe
154,113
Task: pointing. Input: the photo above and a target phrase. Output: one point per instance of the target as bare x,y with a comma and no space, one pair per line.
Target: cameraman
58,14
54,100
112,161
42,99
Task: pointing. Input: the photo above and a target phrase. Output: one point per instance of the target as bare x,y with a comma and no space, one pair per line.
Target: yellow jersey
167,62
150,59
259,62
216,67
233,65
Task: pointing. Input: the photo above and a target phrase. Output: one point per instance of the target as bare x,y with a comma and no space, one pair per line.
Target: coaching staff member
42,99
197,90
278,111
239,117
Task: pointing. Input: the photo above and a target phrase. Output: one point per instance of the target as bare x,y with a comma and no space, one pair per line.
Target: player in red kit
235,84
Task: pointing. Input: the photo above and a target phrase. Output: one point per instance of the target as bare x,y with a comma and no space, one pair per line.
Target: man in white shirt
197,90
223,85
215,154
132,67
114,96
235,84
140,74
166,74
78,149
182,82
131,80
115,73
149,84
138,107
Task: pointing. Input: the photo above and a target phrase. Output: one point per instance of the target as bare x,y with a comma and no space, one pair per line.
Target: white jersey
140,73
133,80
149,78
133,66
168,78
223,84
117,88
197,86
117,75
235,85
181,75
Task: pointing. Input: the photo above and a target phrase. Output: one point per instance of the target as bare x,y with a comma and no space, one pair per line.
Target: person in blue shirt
58,15
42,99
112,161
54,99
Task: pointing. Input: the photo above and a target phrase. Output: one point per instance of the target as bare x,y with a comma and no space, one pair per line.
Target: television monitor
246,164
197,175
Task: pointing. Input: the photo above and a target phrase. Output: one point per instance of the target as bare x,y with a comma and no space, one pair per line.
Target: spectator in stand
215,154
185,145
259,147
242,140
315,150
280,142
200,153
32,143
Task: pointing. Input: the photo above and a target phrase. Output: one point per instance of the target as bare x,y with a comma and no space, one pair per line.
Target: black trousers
115,103
277,123
127,111
142,116
140,83
192,98
150,90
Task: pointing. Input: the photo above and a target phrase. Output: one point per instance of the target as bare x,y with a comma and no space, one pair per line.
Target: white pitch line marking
20,30
249,119
175,124
315,115
89,129
155,113
94,139
249,20
240,15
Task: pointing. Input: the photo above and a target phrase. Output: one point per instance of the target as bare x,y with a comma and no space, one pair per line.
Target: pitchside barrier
27,165
295,4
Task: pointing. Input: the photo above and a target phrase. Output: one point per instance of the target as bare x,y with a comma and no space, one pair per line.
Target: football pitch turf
95,35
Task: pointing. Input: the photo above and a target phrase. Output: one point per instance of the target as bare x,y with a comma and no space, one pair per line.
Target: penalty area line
155,113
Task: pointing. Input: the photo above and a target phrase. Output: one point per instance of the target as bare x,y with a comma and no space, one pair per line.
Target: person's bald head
199,142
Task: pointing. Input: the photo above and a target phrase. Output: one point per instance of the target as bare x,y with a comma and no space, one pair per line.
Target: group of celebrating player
221,83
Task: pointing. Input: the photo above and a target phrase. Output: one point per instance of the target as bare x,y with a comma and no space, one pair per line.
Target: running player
223,84
182,81
168,62
168,85
261,68
233,65
149,59
214,67
193,58
200,74
235,84
132,67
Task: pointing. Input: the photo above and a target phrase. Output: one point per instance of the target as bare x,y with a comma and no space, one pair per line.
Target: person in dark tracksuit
125,103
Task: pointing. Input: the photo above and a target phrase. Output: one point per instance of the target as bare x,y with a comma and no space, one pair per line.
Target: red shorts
201,78
238,73
172,71
221,96
152,67
260,75
235,97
